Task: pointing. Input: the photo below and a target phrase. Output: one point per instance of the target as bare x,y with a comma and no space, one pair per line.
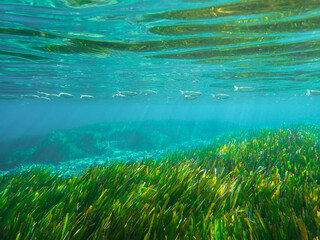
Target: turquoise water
53,52
144,119
100,47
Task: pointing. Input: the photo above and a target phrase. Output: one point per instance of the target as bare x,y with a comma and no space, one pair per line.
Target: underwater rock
106,138
4,166
12,159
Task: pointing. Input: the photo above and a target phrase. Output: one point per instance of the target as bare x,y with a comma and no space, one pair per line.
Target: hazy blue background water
38,118
101,47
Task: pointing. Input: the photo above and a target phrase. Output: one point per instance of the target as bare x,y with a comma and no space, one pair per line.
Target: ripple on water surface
98,48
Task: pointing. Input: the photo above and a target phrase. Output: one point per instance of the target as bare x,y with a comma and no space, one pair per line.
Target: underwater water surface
141,119
100,47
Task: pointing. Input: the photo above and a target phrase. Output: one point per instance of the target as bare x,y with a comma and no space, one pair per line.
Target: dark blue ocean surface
72,63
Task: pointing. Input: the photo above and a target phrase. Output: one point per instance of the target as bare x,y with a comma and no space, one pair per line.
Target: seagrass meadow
263,184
